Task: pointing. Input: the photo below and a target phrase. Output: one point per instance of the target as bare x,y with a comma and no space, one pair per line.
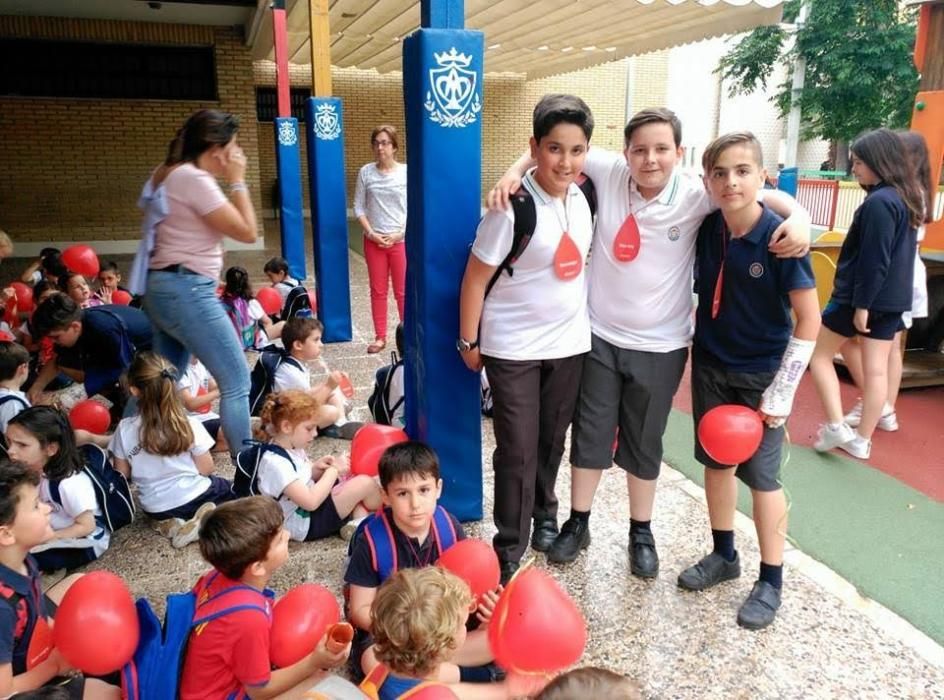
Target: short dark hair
714,149
108,266
12,356
13,475
390,131
276,264
555,109
298,329
654,115
54,314
234,535
408,458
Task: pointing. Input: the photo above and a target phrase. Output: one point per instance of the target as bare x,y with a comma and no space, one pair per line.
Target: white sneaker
858,447
854,417
190,530
168,528
833,435
888,422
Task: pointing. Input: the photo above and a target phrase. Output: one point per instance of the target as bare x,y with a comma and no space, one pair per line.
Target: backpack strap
427,689
12,598
526,218
383,546
248,600
590,192
443,530
54,492
370,686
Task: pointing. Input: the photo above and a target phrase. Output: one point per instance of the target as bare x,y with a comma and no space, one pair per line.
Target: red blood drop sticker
567,260
346,387
627,241
202,391
40,645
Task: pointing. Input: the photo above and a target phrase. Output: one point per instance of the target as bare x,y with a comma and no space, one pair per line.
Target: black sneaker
643,558
574,536
543,534
761,606
508,569
710,571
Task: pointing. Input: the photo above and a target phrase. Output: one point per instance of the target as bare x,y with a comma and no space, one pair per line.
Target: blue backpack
262,376
246,476
154,671
297,304
111,489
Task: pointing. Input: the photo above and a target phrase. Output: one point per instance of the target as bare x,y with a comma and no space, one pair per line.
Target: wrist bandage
777,401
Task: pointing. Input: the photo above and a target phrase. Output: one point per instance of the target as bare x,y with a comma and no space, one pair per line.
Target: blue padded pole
442,75
291,223
325,131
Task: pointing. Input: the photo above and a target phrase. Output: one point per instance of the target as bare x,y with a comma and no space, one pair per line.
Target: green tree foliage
859,72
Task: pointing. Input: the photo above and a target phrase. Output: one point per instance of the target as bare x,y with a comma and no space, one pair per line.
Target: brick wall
72,169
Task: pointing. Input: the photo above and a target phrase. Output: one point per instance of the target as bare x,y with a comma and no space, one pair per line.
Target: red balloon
475,562
270,300
300,619
536,627
24,296
90,415
730,434
96,626
369,444
313,300
9,312
120,296
82,259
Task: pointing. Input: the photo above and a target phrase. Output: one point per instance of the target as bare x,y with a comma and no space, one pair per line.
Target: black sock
724,543
639,525
582,516
772,574
475,674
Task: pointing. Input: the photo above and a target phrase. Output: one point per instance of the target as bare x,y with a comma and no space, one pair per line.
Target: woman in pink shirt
187,257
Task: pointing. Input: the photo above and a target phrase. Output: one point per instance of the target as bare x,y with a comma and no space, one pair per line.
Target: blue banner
291,221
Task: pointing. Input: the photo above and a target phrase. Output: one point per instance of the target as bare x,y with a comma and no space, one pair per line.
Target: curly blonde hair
165,428
415,618
292,405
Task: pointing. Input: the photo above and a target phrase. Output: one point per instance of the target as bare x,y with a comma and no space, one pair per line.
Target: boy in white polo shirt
640,304
529,326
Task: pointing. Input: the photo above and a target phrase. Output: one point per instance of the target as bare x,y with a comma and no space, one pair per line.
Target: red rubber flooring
913,455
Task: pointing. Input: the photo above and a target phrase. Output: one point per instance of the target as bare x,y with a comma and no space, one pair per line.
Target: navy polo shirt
753,325
16,624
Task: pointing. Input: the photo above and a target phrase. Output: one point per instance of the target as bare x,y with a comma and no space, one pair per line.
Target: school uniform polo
753,325
17,625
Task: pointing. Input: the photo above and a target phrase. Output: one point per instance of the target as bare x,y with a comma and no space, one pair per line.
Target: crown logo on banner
327,124
288,136
452,96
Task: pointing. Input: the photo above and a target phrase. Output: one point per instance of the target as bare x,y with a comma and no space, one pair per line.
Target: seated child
167,453
76,286
252,324
589,682
420,531
96,345
24,524
14,370
41,438
316,503
276,269
109,281
48,266
198,391
302,340
746,352
228,657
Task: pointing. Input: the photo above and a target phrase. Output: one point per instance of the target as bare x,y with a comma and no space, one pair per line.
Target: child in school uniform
746,351
316,501
198,391
276,269
41,438
14,370
167,453
532,330
109,281
252,323
77,287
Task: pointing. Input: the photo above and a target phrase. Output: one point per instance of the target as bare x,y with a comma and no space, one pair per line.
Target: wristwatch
463,345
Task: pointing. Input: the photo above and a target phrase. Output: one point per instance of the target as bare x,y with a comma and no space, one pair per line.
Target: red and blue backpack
423,690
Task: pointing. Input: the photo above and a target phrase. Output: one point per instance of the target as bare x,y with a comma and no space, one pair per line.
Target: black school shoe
760,608
574,536
643,558
543,534
341,432
710,571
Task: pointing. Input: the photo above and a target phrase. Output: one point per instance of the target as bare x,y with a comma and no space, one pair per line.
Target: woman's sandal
377,346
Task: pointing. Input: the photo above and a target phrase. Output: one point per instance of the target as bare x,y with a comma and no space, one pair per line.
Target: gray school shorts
713,386
631,390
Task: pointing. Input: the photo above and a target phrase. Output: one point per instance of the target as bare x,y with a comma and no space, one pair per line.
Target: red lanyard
416,554
719,283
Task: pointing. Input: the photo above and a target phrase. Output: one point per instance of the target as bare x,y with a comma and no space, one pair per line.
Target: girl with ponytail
167,453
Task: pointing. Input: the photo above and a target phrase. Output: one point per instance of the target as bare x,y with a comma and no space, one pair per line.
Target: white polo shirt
534,315
275,475
77,495
645,304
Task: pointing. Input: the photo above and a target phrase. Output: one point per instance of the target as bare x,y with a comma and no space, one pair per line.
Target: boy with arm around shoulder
744,353
228,657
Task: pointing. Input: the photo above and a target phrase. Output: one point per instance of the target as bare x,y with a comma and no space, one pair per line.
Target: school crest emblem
675,233
452,96
288,134
756,270
327,124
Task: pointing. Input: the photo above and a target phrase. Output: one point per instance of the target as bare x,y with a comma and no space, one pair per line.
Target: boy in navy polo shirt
24,608
744,353
420,531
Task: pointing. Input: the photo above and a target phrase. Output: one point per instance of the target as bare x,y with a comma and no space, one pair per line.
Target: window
267,108
107,71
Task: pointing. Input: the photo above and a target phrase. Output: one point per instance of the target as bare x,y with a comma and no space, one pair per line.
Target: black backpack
263,375
525,220
7,398
246,477
379,402
111,489
297,303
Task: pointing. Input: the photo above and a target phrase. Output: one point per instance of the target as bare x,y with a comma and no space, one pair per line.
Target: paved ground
828,642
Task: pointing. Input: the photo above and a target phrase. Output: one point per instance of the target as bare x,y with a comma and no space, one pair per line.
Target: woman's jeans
189,319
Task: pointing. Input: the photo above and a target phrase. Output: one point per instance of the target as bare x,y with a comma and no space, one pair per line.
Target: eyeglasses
383,143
